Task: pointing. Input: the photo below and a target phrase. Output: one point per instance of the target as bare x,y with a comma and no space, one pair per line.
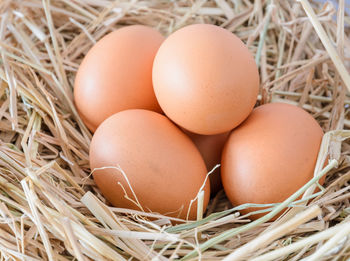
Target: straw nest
50,208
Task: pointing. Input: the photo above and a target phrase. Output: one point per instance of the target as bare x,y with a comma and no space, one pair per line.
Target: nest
50,208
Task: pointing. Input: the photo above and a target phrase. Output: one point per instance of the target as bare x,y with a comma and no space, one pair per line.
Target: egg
116,74
271,155
210,147
205,79
162,165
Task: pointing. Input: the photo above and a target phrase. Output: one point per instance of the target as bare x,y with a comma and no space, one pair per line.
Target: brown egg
210,147
271,155
116,75
162,164
205,79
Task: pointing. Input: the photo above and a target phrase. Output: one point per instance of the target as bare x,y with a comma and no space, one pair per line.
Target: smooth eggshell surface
210,147
271,155
162,164
116,74
205,79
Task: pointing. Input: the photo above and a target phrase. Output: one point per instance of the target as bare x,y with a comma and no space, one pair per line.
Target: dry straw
50,208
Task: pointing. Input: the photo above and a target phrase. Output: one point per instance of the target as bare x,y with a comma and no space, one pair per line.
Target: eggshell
205,79
162,164
116,74
210,147
271,155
